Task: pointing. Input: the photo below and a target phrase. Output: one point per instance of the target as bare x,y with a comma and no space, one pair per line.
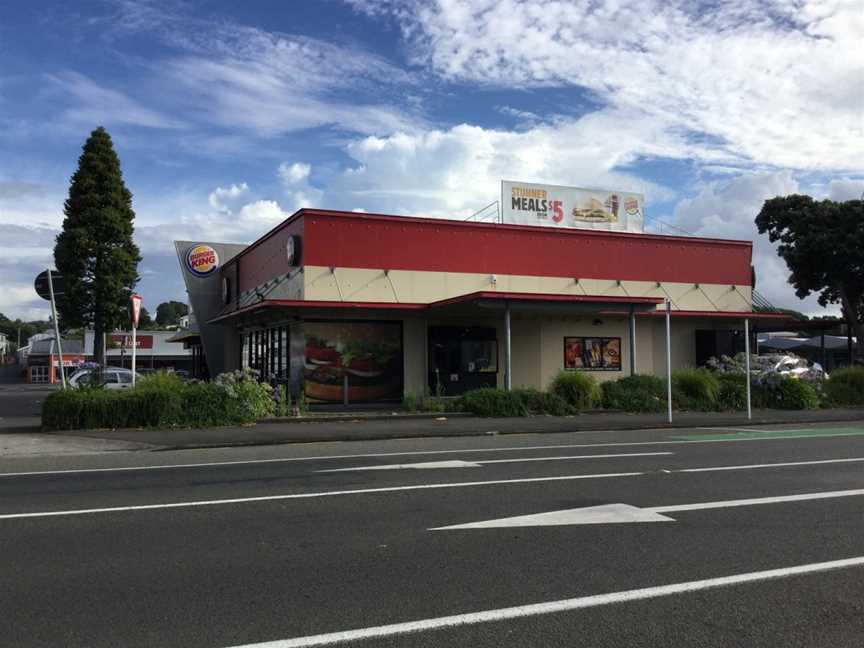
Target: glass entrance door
462,358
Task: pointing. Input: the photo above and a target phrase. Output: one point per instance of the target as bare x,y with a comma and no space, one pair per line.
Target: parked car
111,377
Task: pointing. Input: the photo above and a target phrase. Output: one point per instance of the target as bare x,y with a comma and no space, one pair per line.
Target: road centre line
600,456
555,607
392,489
33,473
290,496
771,465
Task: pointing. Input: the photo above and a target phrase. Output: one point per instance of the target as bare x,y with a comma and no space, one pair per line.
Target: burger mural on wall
368,354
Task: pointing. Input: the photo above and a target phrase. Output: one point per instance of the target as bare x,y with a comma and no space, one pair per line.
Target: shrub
577,389
160,380
797,394
733,391
635,394
161,401
518,402
785,392
846,386
695,389
410,402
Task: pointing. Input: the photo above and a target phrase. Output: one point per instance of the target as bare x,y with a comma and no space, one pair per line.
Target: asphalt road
240,546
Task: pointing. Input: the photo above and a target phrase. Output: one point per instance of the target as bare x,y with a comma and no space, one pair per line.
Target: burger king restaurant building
354,307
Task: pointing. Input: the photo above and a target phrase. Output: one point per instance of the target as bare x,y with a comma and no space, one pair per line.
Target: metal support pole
632,341
747,365
56,329
508,380
345,389
134,351
848,343
669,361
822,350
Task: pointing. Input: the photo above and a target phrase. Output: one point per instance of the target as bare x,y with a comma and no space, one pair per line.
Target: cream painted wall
354,284
555,329
414,345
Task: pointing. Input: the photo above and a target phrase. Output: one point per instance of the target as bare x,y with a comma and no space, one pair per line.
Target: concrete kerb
348,429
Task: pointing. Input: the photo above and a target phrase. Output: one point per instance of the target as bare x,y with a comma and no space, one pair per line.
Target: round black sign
41,284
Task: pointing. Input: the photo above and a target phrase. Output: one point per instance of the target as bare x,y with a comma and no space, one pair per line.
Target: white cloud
454,172
842,189
774,82
292,174
295,180
226,199
95,104
727,209
279,83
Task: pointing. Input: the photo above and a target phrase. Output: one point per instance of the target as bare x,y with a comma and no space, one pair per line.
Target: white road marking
554,607
603,514
426,465
291,496
625,513
387,489
617,444
772,465
480,463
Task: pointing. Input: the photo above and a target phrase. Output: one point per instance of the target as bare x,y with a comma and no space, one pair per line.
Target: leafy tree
95,252
11,328
169,313
822,243
144,319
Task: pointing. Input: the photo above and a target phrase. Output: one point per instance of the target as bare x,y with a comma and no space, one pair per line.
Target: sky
229,116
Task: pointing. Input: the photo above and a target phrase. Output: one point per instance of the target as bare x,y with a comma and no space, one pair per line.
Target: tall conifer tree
95,252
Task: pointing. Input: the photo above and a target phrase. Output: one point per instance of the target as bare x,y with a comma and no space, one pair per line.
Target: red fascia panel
541,297
725,314
302,303
350,240
266,258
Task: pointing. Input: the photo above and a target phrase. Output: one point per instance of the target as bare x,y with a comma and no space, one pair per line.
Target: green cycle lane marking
778,434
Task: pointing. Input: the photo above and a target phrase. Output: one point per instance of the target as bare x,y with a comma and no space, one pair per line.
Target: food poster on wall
368,354
592,353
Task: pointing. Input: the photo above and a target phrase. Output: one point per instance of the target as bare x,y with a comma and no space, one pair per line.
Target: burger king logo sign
202,260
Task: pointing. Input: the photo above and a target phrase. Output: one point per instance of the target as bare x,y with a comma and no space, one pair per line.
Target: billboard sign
123,341
592,353
525,203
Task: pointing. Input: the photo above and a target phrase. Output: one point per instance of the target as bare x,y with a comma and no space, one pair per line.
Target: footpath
360,426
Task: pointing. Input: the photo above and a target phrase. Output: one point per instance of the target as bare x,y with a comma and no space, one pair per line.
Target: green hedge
846,386
518,402
635,394
733,391
577,389
160,401
786,393
696,389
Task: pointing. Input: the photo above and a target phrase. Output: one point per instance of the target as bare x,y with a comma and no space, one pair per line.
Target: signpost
135,312
48,285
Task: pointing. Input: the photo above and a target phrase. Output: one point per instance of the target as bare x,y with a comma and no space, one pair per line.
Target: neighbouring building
154,350
358,307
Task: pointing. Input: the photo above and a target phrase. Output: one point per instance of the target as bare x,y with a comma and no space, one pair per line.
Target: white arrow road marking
480,464
618,513
425,465
554,607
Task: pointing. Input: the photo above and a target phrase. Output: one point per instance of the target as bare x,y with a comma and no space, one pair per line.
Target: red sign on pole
135,308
